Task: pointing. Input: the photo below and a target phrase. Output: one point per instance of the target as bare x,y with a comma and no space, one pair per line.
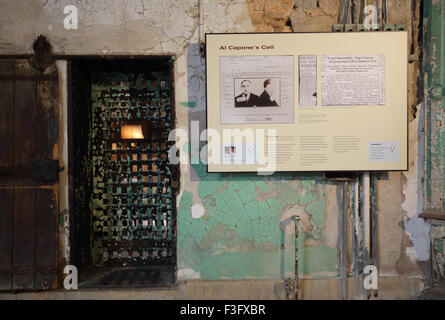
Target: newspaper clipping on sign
307,80
353,80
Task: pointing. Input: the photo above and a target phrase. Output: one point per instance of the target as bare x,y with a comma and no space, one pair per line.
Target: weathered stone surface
105,27
305,4
437,232
315,19
270,16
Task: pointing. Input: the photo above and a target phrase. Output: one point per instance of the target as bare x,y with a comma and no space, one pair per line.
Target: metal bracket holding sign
307,101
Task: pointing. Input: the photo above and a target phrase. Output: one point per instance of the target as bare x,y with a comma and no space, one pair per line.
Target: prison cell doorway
123,188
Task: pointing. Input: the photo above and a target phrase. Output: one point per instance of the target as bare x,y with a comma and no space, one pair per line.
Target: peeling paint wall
434,84
232,226
239,234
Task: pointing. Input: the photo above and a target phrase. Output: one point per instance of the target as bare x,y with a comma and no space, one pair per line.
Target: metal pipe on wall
342,202
354,227
296,222
373,218
365,201
199,21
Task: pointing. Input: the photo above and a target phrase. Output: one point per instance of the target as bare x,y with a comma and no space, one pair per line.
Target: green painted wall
434,81
239,235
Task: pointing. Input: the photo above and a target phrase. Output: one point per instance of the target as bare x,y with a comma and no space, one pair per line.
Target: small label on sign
239,153
383,151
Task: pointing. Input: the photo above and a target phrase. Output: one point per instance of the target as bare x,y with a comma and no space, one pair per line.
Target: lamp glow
133,131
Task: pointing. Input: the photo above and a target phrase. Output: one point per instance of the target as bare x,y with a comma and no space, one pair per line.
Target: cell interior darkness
124,188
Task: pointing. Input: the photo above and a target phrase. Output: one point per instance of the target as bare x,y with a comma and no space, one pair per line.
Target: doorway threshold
129,277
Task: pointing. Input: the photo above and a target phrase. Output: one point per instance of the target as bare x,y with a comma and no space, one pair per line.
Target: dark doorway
123,188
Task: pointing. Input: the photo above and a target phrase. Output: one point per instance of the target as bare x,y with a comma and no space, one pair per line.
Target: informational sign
307,102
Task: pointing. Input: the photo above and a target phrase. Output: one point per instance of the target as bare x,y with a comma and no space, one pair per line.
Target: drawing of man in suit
265,97
246,98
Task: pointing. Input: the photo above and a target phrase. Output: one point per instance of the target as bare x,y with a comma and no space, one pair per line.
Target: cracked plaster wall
229,225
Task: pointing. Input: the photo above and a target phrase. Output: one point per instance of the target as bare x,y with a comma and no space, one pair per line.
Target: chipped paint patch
411,253
189,104
188,274
416,227
240,229
197,211
317,210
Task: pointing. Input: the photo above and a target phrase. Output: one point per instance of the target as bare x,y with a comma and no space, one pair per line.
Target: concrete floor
309,289
436,292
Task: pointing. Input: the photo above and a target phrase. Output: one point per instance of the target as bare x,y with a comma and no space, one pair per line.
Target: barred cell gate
29,128
133,185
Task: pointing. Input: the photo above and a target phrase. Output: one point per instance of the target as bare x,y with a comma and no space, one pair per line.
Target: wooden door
29,128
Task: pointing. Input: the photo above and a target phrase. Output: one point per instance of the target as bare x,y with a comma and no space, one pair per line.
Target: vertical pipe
365,243
374,242
362,9
354,7
342,238
282,253
199,21
373,214
385,11
413,17
348,11
353,227
345,235
366,214
359,252
296,258
357,222
377,6
343,12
